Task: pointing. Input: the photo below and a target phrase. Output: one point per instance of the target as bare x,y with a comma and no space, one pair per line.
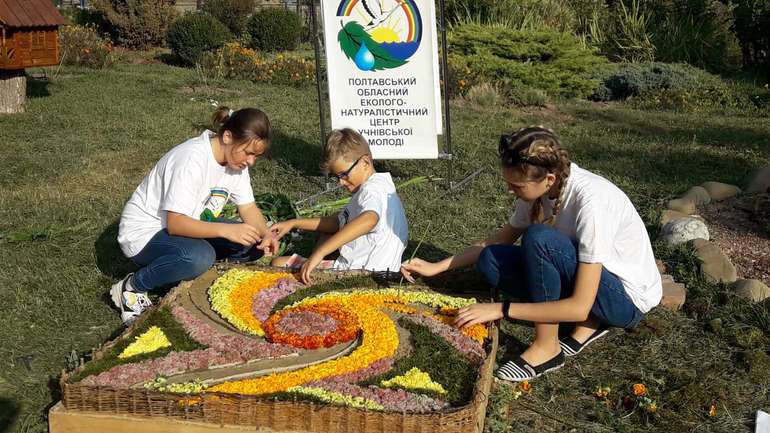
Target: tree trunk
13,91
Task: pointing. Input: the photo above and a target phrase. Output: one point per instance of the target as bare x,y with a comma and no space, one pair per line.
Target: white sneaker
131,304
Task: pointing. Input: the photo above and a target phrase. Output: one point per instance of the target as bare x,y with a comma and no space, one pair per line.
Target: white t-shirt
381,248
187,180
608,230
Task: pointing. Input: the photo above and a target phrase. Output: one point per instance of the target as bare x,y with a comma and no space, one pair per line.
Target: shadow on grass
710,158
296,152
109,257
38,87
9,412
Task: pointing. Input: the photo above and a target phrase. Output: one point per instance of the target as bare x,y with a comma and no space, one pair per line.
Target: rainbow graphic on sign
380,34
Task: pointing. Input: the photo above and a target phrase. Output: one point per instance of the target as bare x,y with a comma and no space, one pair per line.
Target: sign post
383,76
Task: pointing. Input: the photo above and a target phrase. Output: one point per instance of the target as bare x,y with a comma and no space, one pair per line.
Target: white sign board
382,62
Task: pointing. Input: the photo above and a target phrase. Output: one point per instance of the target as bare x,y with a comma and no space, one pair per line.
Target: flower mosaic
365,321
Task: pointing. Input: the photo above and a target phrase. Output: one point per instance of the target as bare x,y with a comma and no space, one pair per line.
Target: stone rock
699,195
674,294
661,266
682,230
716,265
670,215
760,182
683,205
720,191
753,290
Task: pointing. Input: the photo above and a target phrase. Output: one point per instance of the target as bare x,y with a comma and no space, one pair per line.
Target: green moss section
440,360
358,282
162,318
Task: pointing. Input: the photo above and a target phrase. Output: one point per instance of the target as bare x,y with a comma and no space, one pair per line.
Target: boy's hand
307,269
269,245
280,229
243,234
413,267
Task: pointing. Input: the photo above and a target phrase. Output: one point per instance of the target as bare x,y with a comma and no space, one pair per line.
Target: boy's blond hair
343,143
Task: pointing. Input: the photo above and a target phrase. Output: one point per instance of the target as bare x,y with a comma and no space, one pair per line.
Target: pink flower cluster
396,400
305,323
265,300
468,347
125,375
245,347
223,350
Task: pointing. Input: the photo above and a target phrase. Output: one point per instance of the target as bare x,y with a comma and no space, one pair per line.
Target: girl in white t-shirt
169,226
585,256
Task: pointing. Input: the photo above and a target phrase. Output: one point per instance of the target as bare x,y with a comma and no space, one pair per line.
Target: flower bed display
252,346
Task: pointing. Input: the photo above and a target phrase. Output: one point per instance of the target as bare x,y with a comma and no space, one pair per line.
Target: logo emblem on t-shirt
214,204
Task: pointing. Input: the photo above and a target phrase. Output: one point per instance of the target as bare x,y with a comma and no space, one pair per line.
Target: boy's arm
328,224
356,228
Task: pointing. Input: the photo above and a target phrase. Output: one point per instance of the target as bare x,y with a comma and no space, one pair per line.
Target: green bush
752,21
634,79
513,14
84,17
557,63
82,46
626,36
274,29
712,97
232,13
698,32
137,23
194,34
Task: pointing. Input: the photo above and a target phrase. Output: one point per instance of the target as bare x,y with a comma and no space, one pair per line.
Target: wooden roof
29,13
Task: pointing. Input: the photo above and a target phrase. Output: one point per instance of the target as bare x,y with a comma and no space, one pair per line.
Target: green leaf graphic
353,35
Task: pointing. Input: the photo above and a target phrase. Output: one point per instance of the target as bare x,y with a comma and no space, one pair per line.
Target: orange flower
525,386
640,390
713,410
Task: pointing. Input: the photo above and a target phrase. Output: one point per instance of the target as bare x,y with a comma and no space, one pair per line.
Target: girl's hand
243,234
280,229
307,269
478,313
414,267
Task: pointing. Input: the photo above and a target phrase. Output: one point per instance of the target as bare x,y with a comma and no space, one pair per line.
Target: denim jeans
544,269
167,259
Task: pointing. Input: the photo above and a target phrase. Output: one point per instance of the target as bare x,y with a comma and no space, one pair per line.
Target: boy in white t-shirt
371,232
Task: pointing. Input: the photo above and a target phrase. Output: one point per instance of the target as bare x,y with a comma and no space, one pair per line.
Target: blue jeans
544,268
167,259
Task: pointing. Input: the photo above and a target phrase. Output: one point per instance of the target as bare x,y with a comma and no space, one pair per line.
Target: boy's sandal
572,347
519,370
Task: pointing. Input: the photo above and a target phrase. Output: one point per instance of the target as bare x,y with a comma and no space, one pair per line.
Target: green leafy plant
232,13
628,38
274,29
137,23
554,62
194,34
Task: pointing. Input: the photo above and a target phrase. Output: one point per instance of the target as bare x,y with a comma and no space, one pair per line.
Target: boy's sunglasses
345,174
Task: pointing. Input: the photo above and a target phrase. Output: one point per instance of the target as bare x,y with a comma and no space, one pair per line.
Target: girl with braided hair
584,258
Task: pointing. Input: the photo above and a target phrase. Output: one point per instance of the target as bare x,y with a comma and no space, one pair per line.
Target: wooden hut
28,38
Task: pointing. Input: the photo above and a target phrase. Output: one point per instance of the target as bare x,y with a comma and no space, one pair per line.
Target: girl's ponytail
220,117
246,124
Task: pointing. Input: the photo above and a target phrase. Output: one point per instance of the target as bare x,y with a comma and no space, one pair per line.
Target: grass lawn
88,137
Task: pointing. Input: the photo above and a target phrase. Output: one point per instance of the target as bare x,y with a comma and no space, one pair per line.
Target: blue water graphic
364,58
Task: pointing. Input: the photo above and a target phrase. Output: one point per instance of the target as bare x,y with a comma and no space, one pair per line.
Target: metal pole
317,48
445,73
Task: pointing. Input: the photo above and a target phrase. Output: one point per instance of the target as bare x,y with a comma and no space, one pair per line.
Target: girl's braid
535,151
